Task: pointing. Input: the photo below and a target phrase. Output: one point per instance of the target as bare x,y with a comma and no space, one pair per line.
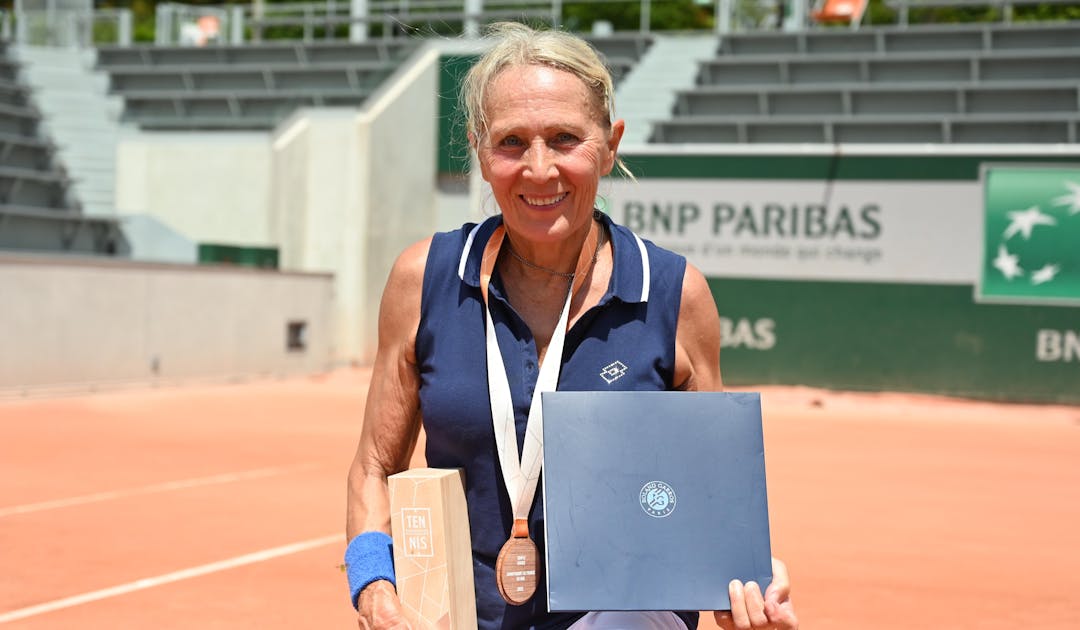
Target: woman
548,276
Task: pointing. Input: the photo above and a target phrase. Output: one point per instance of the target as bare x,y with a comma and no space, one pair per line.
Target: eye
510,141
565,138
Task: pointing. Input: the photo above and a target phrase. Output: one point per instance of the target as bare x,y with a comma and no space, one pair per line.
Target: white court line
182,484
184,574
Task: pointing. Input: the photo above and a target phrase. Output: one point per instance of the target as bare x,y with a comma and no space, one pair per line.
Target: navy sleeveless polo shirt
626,342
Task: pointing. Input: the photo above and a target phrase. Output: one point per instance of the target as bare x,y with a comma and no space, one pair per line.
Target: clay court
221,506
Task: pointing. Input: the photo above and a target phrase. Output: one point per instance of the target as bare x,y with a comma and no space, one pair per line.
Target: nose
540,163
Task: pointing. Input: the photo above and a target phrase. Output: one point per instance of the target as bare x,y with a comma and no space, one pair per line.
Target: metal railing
69,28
178,24
199,25
392,18
359,20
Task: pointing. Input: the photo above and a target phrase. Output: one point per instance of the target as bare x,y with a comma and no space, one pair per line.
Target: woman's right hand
380,609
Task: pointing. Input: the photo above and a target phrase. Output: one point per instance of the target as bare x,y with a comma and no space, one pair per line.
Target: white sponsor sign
842,230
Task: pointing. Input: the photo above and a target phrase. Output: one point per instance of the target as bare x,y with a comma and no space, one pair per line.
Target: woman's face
545,151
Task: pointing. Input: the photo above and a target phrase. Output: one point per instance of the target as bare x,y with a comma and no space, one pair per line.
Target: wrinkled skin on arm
391,427
697,337
697,368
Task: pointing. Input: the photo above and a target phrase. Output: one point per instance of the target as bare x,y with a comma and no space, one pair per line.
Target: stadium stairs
39,211
649,92
81,118
621,52
977,83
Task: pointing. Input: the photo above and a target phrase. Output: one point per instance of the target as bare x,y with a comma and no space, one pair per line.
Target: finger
724,620
782,616
738,605
755,605
779,589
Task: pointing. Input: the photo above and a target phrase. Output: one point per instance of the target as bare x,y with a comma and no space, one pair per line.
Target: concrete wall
351,190
210,187
335,189
77,322
399,139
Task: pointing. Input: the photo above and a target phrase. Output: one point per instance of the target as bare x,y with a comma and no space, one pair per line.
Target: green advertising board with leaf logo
1031,235
947,274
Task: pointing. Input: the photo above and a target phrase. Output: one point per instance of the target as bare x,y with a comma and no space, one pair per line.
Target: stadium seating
28,175
255,86
244,87
938,84
37,209
621,52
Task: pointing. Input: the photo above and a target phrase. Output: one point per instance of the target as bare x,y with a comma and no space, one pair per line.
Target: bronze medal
515,568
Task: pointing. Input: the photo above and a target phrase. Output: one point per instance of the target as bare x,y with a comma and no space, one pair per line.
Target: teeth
543,201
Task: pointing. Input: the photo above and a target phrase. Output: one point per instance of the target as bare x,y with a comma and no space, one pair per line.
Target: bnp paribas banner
1031,235
877,283
875,231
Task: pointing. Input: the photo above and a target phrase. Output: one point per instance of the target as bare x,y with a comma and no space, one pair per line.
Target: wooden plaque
432,547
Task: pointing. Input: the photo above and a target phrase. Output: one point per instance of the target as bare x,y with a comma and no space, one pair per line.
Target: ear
617,129
472,140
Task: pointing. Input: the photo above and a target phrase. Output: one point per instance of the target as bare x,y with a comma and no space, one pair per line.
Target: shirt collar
629,278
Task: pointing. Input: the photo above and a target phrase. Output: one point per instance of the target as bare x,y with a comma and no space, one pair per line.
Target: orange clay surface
222,506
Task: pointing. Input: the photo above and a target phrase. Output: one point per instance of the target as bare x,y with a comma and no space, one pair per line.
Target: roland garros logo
657,499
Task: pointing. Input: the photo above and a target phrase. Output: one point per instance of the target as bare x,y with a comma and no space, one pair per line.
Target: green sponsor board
1031,230
218,254
899,337
453,147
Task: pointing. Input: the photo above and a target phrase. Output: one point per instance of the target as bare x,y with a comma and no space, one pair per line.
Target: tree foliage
664,15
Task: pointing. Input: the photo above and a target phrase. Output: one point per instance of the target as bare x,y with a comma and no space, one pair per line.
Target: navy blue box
653,500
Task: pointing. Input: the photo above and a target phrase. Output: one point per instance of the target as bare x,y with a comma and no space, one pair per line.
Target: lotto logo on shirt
613,372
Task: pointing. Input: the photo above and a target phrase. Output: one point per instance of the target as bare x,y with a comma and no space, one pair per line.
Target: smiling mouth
543,201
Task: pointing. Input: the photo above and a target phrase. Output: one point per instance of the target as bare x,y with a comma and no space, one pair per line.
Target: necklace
562,274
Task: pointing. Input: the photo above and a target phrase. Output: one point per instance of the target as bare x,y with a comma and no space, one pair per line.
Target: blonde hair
515,44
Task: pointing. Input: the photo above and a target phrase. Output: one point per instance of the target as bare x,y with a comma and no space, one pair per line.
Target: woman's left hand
751,609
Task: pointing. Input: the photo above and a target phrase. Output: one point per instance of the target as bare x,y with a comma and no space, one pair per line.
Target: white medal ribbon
522,474
522,478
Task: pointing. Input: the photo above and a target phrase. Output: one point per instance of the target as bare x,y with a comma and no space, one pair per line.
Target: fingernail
734,584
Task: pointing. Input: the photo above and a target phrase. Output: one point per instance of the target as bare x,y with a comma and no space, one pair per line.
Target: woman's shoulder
468,233
460,250
445,244
657,261
407,273
646,246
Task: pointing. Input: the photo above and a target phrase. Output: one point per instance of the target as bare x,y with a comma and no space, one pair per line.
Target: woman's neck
560,261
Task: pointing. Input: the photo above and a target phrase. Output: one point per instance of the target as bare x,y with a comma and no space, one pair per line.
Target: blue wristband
369,557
